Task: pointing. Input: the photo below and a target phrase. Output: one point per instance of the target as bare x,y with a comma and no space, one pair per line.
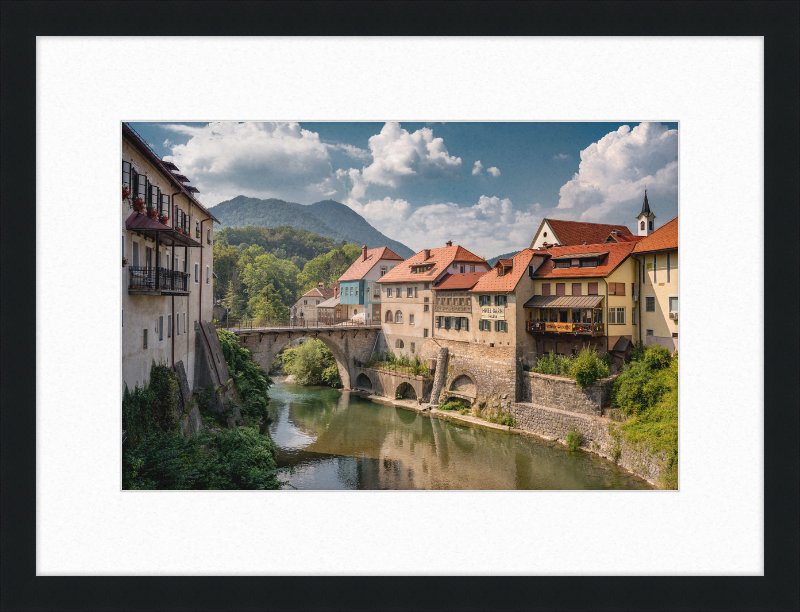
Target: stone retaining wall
596,433
564,394
387,383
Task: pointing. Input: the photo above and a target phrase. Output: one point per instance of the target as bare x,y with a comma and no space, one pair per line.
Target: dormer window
561,263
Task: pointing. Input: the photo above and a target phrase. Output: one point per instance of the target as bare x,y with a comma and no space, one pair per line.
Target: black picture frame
777,21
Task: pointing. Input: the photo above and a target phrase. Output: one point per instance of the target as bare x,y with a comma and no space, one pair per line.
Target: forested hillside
327,218
284,242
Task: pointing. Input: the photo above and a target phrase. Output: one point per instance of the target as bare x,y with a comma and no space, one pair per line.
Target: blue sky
485,185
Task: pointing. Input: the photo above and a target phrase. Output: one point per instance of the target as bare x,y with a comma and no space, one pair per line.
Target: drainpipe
202,246
605,323
172,331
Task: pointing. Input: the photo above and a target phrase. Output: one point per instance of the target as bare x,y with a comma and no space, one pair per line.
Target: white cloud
494,171
478,167
613,172
399,157
257,159
167,143
561,156
349,150
488,228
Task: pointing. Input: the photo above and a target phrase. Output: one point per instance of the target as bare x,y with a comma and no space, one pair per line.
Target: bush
312,363
152,408
236,459
554,365
574,439
252,383
638,351
450,406
587,367
657,357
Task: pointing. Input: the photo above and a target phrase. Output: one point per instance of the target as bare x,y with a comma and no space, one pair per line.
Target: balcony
576,329
149,280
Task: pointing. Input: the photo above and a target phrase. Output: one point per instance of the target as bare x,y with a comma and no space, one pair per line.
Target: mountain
493,260
327,218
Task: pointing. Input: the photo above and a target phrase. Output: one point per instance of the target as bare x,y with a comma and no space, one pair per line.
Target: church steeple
646,218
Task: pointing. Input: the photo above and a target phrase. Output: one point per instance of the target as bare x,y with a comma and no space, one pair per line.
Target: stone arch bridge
349,344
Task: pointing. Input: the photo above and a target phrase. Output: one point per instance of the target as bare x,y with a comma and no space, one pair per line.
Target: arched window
641,226
398,317
355,311
398,344
651,225
389,318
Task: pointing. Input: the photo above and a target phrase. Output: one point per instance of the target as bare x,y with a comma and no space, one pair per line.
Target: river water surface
338,440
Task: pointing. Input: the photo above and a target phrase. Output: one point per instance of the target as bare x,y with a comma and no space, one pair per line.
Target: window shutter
561,288
155,194
165,203
668,262
620,289
576,289
465,323
545,288
612,288
592,288
126,174
655,268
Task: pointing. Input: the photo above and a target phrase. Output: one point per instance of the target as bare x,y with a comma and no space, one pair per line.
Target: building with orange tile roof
407,293
360,288
657,257
585,295
570,233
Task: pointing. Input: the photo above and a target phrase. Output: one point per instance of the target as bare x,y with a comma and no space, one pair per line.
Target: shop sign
495,313
558,327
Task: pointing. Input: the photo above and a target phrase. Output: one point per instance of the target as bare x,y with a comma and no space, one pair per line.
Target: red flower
163,219
138,204
126,193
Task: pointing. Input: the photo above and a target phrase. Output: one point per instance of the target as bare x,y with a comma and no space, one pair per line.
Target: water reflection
338,440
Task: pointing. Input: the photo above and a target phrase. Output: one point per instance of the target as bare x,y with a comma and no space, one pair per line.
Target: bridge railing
296,323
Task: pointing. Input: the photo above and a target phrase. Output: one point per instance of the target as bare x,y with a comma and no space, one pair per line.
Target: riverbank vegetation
312,363
584,368
252,383
263,271
646,391
389,361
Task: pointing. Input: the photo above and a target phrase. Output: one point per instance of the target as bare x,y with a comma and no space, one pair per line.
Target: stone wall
564,394
387,383
492,371
597,436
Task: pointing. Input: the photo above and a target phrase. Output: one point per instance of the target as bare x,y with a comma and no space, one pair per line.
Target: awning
150,228
563,301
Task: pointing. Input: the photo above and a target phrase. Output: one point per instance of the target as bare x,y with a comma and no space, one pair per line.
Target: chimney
364,253
427,254
321,285
449,243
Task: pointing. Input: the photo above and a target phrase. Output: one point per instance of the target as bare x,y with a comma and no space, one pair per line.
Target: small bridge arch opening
405,391
363,382
464,385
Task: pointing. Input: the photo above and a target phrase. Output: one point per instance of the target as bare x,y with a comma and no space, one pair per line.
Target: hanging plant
124,261
163,219
126,193
138,204
152,212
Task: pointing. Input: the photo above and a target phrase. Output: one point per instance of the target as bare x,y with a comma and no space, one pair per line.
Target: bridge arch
364,382
464,384
405,391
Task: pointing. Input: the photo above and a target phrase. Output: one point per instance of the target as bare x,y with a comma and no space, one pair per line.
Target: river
339,440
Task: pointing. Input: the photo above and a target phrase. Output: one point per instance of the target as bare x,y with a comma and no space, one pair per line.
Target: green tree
328,267
312,363
226,259
234,303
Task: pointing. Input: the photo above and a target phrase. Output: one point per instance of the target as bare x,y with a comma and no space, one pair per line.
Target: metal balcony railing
151,278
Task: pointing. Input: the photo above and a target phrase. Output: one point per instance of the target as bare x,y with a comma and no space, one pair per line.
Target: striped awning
563,301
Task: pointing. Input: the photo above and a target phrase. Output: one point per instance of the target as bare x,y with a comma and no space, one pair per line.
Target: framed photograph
376,94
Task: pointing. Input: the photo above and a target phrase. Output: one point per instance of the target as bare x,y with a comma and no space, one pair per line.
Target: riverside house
585,296
360,288
167,263
407,294
305,309
657,256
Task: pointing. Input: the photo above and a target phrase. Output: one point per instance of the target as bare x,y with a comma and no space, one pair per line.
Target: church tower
646,219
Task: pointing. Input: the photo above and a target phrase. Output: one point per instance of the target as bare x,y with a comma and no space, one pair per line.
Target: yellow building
657,258
585,296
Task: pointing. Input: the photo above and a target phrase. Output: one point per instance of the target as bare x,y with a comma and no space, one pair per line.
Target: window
576,315
633,316
501,326
674,334
650,303
588,263
376,291
472,268
456,323
409,292
184,322
446,322
616,316
388,292
178,324
161,328
126,174
484,325
561,263
548,347
438,322
425,287
197,272
425,333
169,326
620,288
655,268
673,303
561,289
462,269
484,300
641,225
668,258
208,275
586,315
355,311
576,289
411,319
465,323
208,235
144,338
412,348
545,288
305,302
592,288
500,300
389,318
135,254
398,317
455,266
383,270
648,332
398,343
650,223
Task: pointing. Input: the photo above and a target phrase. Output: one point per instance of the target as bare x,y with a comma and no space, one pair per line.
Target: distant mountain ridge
493,260
327,218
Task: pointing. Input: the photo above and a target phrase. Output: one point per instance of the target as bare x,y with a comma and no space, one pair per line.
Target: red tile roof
318,292
576,232
664,238
459,281
492,281
441,259
617,253
630,238
361,266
